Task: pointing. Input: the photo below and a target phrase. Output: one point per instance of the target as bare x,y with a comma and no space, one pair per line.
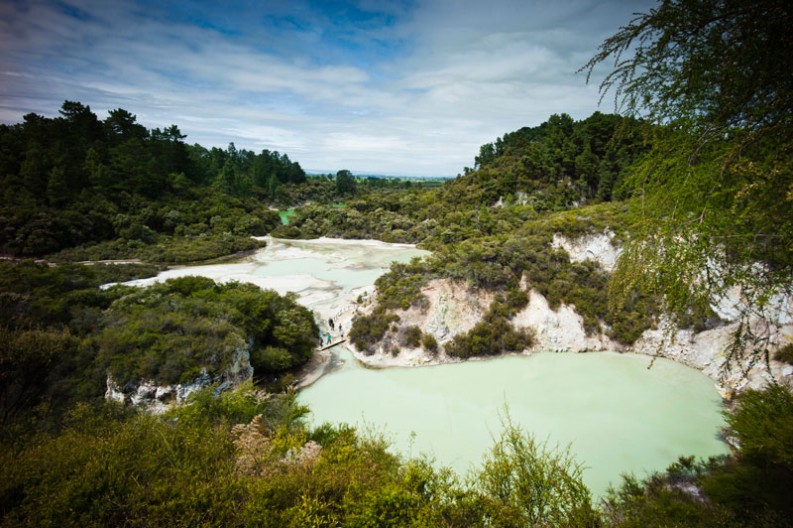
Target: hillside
665,230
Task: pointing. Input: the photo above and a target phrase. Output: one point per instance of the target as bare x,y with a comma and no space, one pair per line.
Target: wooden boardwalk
332,344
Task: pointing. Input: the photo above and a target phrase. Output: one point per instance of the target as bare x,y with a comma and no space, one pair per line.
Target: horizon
397,88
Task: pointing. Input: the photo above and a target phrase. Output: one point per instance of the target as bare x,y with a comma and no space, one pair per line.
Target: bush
192,323
412,337
400,288
429,343
270,359
785,354
530,484
369,329
494,334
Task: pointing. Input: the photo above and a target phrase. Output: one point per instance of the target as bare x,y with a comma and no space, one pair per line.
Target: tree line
74,180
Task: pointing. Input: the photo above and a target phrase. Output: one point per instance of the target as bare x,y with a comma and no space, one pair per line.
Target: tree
35,169
98,174
123,126
716,201
345,183
82,124
38,366
763,425
57,188
722,63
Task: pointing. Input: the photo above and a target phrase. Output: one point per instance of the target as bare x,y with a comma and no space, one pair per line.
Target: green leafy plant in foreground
751,488
246,458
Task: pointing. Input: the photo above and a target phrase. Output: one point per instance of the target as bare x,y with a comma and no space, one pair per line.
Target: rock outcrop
598,248
454,308
157,397
451,309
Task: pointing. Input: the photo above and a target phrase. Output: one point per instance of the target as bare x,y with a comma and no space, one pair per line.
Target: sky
373,86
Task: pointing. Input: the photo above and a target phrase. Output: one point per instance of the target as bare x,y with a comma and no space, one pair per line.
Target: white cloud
417,95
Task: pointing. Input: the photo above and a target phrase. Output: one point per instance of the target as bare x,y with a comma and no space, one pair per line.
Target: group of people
332,328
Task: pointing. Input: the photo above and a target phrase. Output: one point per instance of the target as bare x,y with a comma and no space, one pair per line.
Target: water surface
285,214
617,415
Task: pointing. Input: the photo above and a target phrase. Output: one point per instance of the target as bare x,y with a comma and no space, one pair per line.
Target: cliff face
454,308
157,398
451,310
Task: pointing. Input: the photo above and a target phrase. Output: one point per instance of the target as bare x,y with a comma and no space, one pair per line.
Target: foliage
44,369
429,343
369,329
245,459
400,287
556,165
59,334
529,484
238,406
345,183
494,334
672,498
170,331
74,181
722,62
525,258
763,426
34,294
715,209
412,336
139,471
751,489
47,315
785,354
385,214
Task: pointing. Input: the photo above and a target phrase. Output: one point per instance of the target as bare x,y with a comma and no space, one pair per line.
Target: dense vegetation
495,333
701,172
76,181
246,458
170,332
558,165
47,315
61,335
715,185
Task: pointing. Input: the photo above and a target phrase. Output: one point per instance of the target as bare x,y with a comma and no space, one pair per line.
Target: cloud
372,86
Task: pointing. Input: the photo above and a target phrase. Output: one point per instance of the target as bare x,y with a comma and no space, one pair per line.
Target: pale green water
617,415
285,215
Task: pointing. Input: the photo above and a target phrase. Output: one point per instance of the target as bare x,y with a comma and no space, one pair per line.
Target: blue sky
393,87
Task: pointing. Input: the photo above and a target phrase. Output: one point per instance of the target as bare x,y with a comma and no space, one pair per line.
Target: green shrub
494,334
187,323
400,287
369,329
271,359
429,343
526,483
785,354
489,338
412,337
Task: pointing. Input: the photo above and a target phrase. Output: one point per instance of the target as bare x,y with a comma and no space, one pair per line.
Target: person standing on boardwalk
330,322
